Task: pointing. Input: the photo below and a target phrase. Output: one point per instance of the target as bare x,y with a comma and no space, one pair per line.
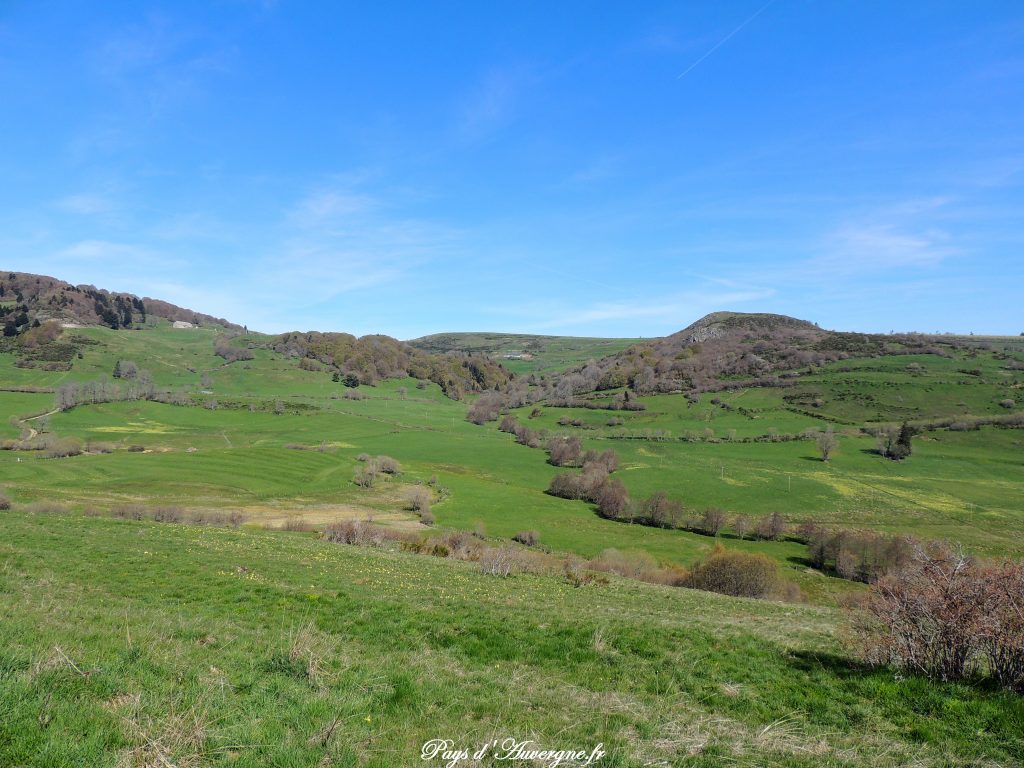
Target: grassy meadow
181,645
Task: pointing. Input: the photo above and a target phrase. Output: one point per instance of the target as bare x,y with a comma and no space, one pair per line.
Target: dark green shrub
735,573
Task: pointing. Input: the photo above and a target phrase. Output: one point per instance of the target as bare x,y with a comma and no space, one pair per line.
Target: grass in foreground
131,643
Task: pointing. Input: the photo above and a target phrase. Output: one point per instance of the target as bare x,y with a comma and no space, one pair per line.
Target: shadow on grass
803,561
849,667
834,663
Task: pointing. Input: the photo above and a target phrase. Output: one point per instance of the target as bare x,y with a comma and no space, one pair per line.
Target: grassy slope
257,642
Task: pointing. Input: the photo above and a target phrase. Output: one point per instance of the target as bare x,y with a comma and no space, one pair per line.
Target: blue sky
585,168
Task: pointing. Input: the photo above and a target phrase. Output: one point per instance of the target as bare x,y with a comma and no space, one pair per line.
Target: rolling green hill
737,454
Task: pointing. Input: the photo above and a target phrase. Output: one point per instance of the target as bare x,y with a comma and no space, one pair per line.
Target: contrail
724,40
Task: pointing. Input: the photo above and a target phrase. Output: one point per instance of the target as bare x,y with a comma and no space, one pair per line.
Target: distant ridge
725,350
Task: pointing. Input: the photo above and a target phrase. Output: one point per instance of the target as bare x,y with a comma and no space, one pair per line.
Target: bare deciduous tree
771,527
419,499
713,521
827,443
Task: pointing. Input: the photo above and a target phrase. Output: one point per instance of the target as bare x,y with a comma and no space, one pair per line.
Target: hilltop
730,349
27,299
719,324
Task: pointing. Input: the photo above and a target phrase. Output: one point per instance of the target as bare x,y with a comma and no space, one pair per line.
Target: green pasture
240,453
127,643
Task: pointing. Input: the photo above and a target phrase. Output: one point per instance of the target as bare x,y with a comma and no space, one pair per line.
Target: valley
224,427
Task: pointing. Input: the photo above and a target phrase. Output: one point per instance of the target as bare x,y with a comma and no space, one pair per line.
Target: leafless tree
713,521
565,451
661,511
419,498
771,527
611,498
827,443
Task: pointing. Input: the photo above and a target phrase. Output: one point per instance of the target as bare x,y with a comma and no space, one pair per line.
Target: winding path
32,432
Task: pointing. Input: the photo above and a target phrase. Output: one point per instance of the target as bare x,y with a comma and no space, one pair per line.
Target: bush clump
856,555
498,561
527,538
46,508
771,527
65,447
168,515
565,451
298,525
637,565
172,514
362,533
735,573
366,475
388,465
948,617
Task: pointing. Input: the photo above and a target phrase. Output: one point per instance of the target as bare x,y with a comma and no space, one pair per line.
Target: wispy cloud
491,103
341,239
192,226
87,204
599,170
880,248
106,251
158,64
331,208
662,40
904,235
664,313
